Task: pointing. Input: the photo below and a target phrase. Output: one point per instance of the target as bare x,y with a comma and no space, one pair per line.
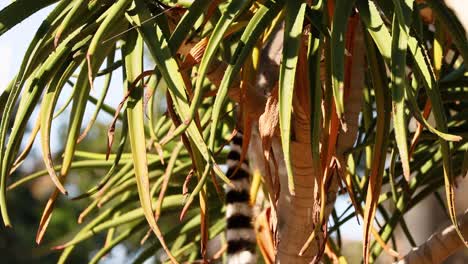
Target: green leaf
295,12
172,201
12,93
100,102
75,165
119,239
133,57
47,109
413,106
170,71
375,26
115,164
231,12
425,73
400,29
76,117
77,9
259,22
342,12
94,222
32,95
19,10
377,67
314,56
371,18
452,25
186,23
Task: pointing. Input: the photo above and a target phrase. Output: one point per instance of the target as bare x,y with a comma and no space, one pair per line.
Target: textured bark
439,246
296,213
299,214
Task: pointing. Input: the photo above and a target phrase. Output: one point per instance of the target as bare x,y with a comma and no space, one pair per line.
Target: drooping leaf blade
294,19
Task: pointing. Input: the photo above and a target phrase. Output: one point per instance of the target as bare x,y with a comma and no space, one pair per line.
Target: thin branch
439,246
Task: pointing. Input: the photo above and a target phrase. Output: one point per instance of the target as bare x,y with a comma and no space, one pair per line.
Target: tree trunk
296,213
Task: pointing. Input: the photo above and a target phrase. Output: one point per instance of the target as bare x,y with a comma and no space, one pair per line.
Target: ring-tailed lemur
241,240
241,236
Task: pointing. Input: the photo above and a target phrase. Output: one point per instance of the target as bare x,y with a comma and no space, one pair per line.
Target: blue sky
14,43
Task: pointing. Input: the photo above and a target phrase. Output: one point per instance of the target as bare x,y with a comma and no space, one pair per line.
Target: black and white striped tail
240,233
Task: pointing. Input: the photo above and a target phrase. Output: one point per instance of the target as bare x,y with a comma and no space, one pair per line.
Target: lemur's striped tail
241,239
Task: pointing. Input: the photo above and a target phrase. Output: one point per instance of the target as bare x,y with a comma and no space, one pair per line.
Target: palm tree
367,98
